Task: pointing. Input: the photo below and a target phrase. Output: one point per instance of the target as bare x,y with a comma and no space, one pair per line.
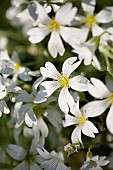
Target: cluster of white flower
41,110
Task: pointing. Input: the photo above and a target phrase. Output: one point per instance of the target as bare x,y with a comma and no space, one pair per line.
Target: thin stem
6,127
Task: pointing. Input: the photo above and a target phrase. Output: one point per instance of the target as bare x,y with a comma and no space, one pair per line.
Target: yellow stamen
82,120
64,81
111,98
17,67
54,25
90,20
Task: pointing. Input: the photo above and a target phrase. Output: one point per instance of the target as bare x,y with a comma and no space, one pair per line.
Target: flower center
54,25
82,120
17,67
38,110
30,158
111,98
64,81
90,20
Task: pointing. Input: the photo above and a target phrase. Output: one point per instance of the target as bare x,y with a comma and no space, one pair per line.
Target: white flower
80,119
57,28
33,113
89,55
27,159
3,108
94,163
92,20
63,81
6,65
20,71
52,160
100,91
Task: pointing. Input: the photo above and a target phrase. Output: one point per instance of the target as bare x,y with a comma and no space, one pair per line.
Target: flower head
63,81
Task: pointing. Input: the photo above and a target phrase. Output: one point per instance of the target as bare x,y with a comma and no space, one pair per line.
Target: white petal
55,45
61,166
0,113
40,97
75,109
109,120
76,135
4,55
23,166
89,129
72,35
88,6
97,30
69,66
43,18
65,100
95,108
37,34
2,95
24,74
54,117
65,14
98,89
79,83
44,153
69,120
37,83
96,63
104,16
30,118
24,96
34,166
43,127
50,71
5,108
50,86
87,57
16,152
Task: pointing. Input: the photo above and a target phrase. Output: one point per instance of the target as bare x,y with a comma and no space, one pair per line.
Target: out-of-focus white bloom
57,28
100,91
15,9
89,55
19,16
3,42
80,119
52,160
33,113
20,71
6,65
28,160
63,81
4,91
92,20
94,163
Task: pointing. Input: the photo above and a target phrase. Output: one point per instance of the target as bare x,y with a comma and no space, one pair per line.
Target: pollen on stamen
111,98
64,81
82,120
17,66
90,20
54,25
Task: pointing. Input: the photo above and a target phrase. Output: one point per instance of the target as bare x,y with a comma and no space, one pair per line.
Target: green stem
6,128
